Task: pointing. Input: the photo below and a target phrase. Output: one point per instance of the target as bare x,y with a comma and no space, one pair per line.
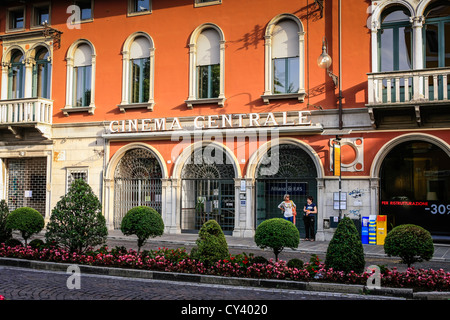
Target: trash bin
365,230
372,229
381,229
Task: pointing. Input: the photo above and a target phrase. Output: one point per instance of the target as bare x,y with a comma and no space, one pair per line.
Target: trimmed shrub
211,244
26,220
277,233
5,233
260,259
295,263
36,243
13,242
77,222
144,222
345,251
409,242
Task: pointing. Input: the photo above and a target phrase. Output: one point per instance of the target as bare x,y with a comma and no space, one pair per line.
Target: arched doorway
207,189
137,182
295,174
415,187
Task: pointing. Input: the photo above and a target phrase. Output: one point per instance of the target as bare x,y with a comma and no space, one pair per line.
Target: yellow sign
337,159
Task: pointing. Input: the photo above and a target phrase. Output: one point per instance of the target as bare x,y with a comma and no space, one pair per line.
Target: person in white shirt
287,208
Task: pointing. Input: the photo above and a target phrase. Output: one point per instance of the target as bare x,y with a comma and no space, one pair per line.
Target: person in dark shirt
310,211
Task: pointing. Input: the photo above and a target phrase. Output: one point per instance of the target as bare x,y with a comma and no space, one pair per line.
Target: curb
219,280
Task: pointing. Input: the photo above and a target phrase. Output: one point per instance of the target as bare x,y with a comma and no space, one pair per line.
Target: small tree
144,222
345,251
409,242
5,233
211,244
76,221
26,220
277,234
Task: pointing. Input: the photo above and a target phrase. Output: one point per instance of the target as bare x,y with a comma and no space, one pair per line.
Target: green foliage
36,243
345,251
5,233
13,242
211,244
76,221
409,242
277,234
26,220
144,222
295,263
260,259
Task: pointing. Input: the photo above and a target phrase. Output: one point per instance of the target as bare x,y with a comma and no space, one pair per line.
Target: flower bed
241,265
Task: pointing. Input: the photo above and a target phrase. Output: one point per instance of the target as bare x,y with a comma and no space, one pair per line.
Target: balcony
25,117
415,93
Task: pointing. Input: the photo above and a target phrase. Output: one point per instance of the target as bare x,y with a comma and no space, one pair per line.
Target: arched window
206,69
284,59
80,87
436,35
138,72
16,76
82,73
42,74
395,40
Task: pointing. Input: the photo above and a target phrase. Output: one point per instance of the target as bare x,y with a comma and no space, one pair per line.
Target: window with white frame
284,59
75,174
202,3
136,7
80,86
138,72
206,70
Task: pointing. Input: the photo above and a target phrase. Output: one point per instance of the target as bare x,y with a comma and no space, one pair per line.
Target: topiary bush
277,234
77,222
345,251
144,222
410,242
26,220
36,243
5,233
211,245
295,263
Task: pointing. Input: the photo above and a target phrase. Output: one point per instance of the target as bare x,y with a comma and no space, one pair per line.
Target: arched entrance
415,187
137,182
294,174
207,189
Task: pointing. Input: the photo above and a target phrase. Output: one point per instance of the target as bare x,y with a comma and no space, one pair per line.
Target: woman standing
287,207
309,216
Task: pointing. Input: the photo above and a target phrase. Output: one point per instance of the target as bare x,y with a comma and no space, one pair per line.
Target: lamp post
324,61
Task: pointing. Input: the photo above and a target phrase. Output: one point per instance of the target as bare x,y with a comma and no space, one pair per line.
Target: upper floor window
395,40
206,66
80,84
86,9
139,6
436,35
16,76
16,18
200,3
284,59
40,15
82,74
138,69
42,74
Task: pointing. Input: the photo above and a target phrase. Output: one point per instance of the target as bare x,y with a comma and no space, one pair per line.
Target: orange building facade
217,109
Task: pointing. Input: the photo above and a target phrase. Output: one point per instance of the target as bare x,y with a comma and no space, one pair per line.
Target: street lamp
324,61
